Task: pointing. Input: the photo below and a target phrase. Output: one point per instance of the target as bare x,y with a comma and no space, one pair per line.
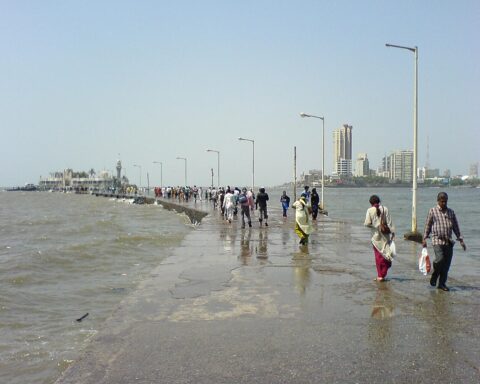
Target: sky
85,83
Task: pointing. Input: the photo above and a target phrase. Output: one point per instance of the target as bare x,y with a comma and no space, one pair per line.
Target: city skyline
156,80
397,166
392,165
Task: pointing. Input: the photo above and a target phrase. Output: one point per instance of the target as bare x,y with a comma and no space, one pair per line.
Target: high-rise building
362,166
473,171
399,165
342,151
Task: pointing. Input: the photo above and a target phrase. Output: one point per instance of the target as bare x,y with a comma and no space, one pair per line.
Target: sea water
65,255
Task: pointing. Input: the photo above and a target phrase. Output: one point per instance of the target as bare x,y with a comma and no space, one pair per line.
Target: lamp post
413,235
253,160
161,172
185,159
218,165
322,205
140,167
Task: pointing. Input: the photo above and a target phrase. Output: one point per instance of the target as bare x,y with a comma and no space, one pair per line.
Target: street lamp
140,167
414,235
253,160
218,165
185,159
322,206
161,172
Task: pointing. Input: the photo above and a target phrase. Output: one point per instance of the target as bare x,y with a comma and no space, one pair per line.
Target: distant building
447,173
312,178
382,171
399,166
426,173
56,180
473,171
342,151
70,180
362,165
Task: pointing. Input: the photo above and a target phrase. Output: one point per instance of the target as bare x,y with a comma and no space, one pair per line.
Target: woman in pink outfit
380,241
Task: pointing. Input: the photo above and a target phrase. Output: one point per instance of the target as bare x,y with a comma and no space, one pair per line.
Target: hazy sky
83,82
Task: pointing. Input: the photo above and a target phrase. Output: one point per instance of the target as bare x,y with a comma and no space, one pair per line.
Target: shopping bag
393,248
424,262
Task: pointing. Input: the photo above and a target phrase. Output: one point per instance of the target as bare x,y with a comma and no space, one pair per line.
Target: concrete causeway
234,305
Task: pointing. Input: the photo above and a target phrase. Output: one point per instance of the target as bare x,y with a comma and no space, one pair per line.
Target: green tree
456,182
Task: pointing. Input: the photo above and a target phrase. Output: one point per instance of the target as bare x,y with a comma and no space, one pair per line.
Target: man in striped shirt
441,221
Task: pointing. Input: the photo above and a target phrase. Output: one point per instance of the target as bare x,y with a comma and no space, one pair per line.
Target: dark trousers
441,263
314,211
263,214
246,213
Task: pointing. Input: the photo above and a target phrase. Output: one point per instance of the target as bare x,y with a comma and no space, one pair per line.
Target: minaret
119,172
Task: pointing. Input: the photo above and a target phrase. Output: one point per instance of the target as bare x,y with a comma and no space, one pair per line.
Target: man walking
245,207
441,221
306,192
285,200
261,202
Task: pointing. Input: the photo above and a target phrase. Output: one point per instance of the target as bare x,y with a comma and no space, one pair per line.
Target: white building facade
399,166
362,165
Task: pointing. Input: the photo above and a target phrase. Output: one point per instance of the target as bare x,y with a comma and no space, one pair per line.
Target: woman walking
229,205
378,218
303,228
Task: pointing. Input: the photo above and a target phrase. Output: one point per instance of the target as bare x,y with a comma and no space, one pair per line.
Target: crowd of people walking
440,224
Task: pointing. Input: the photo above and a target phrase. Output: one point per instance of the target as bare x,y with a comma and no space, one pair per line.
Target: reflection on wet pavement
262,246
302,264
382,307
246,249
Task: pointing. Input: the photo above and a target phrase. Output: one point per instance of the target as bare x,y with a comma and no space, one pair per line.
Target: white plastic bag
424,262
393,248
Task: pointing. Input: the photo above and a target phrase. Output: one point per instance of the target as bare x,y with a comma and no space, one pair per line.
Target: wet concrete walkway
234,305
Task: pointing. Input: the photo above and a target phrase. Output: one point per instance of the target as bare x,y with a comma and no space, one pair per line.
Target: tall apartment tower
342,151
400,166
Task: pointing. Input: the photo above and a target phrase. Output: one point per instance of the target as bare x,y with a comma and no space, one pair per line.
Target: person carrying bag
378,218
